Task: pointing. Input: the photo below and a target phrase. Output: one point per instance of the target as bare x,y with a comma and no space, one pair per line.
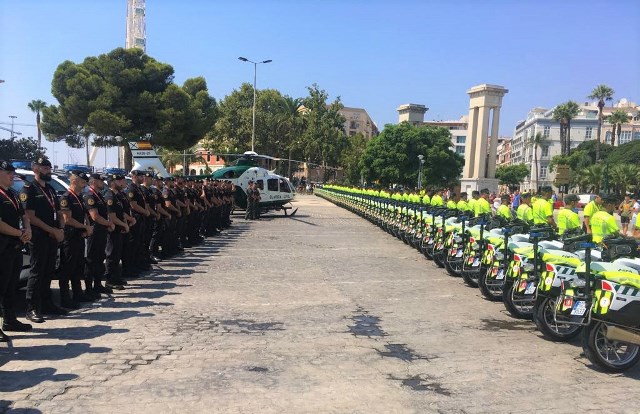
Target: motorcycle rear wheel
556,331
490,291
611,356
515,309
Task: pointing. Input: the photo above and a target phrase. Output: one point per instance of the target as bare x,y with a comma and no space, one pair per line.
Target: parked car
584,199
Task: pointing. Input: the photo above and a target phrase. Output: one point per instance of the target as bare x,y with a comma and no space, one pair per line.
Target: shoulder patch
91,201
110,202
23,197
130,194
64,202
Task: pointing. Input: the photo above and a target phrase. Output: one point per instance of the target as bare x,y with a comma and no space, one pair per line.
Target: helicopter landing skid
293,213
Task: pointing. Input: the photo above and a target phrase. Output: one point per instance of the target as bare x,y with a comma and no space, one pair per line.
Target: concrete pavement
322,312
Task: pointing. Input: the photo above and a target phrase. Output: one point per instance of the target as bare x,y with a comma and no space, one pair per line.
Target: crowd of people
104,230
535,209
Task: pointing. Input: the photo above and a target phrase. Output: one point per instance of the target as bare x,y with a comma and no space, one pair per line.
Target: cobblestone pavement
321,312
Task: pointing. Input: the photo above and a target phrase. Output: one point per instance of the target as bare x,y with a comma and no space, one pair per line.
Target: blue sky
373,54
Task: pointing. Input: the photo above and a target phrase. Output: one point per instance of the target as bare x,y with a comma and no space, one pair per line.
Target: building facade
358,121
583,128
458,130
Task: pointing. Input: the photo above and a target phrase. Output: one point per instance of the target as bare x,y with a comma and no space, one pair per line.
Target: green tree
535,142
564,113
628,153
350,159
602,93
20,149
392,156
126,95
592,178
623,177
37,106
512,175
617,119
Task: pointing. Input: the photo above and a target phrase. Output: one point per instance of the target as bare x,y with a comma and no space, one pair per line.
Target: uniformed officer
250,200
128,270
183,203
151,221
43,209
256,202
543,208
471,205
135,259
171,237
12,236
568,219
481,206
590,209
603,223
76,229
114,252
160,225
96,206
524,211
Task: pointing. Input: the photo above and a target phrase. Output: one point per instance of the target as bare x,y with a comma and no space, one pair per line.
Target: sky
373,54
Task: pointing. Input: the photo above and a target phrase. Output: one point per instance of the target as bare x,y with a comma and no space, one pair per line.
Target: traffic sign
563,174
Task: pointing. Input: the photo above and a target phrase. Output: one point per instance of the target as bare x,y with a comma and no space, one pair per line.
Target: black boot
50,308
66,301
11,324
4,337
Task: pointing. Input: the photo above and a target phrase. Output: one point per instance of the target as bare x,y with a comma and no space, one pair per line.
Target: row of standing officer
129,224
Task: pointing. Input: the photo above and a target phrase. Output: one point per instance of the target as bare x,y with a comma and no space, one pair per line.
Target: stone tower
481,148
412,113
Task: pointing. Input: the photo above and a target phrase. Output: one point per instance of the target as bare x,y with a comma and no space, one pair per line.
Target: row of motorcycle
567,285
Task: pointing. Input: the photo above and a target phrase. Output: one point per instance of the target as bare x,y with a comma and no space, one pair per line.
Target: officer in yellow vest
482,206
475,194
452,203
462,204
504,210
590,209
543,208
603,223
568,219
525,212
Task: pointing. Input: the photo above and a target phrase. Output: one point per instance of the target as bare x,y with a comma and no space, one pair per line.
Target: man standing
503,209
154,217
603,224
96,205
568,219
590,209
249,213
524,211
462,204
75,231
43,210
482,206
160,225
117,216
11,239
471,205
543,208
134,257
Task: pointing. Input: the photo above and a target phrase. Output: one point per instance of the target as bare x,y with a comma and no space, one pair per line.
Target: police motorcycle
454,246
605,302
565,268
449,225
480,230
419,228
431,231
496,259
523,271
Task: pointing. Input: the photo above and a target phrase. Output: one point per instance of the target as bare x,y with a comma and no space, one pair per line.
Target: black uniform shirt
124,199
72,202
43,201
149,198
114,205
157,197
10,208
135,193
96,200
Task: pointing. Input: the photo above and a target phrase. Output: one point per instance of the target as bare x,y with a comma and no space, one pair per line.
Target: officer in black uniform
183,203
117,216
152,219
171,239
96,206
43,209
134,258
161,224
12,236
76,229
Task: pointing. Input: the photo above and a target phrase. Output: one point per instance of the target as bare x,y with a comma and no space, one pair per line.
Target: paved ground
318,313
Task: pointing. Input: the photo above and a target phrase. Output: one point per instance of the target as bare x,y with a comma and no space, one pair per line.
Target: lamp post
255,70
421,158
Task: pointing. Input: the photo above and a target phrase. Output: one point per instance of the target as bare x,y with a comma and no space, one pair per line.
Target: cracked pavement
321,312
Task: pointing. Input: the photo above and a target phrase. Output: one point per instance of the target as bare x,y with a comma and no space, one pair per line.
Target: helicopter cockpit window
272,184
260,184
284,186
228,174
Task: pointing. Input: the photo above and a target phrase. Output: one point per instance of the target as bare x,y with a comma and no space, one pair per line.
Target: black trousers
95,255
10,267
113,255
149,224
157,237
44,250
72,263
131,256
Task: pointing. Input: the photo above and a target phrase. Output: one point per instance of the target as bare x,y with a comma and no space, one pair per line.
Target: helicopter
276,191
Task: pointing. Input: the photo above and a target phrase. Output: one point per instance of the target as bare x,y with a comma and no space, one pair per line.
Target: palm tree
535,142
601,93
37,106
559,114
592,177
292,123
616,119
571,111
623,177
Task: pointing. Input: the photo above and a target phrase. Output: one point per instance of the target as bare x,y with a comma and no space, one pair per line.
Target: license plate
476,262
531,288
438,246
459,253
579,308
500,274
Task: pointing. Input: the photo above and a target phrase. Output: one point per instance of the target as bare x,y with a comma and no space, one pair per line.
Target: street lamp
255,69
421,158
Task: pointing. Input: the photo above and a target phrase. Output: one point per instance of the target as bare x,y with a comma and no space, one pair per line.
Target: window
545,151
459,150
636,135
546,131
354,125
461,140
588,133
543,172
625,137
607,137
272,184
284,186
260,184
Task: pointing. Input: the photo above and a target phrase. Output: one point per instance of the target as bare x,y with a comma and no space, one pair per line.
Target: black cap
610,199
137,172
114,177
80,174
570,198
42,162
97,176
463,194
546,189
525,195
6,166
150,174
484,191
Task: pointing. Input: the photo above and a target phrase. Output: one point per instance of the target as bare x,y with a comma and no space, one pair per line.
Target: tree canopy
512,175
392,156
20,149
